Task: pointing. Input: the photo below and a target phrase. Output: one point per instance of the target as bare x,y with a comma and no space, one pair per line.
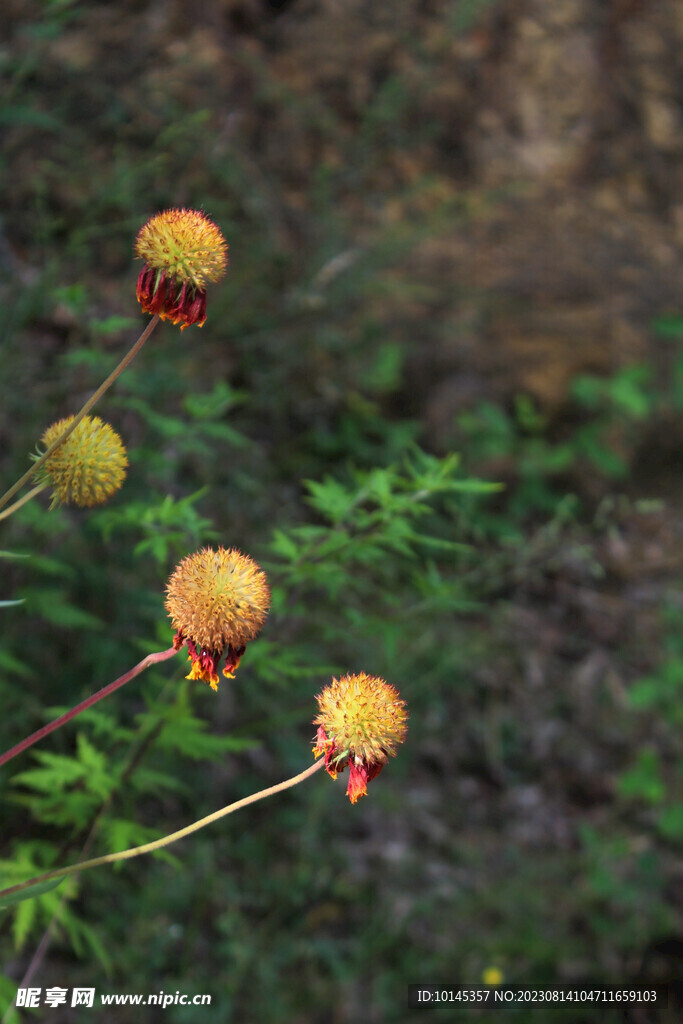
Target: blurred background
455,226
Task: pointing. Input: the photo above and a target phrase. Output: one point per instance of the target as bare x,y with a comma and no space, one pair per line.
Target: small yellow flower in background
217,601
362,720
492,976
89,467
182,250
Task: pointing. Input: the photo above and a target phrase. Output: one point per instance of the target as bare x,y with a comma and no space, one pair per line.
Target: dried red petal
359,777
174,309
199,311
232,660
325,746
155,293
204,664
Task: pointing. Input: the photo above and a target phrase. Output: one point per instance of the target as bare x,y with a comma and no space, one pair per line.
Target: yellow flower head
182,250
217,601
361,721
88,467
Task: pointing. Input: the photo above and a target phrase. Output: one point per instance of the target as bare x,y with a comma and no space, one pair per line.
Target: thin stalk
159,844
128,358
136,757
151,659
22,501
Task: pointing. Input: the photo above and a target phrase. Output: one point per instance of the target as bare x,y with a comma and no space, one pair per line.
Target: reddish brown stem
151,659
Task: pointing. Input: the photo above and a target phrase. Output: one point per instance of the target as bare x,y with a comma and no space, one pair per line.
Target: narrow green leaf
112,324
24,115
670,822
283,545
54,606
441,543
13,666
30,892
474,486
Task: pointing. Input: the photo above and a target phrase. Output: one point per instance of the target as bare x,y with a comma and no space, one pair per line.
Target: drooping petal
326,746
359,776
218,600
182,251
233,656
362,720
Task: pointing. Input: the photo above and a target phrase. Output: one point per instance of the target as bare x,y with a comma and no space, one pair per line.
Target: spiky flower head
88,467
362,720
218,601
182,250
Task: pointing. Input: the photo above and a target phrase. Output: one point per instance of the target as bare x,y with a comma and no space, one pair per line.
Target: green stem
128,358
159,844
145,740
22,501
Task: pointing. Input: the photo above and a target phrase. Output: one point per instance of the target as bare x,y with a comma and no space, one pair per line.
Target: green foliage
184,735
669,326
661,692
375,512
31,858
29,893
465,13
366,576
622,879
8,603
644,779
166,525
648,780
544,465
67,790
629,392
53,605
291,426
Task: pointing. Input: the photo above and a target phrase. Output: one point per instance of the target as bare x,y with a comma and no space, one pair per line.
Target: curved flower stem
159,844
22,501
151,659
128,358
145,741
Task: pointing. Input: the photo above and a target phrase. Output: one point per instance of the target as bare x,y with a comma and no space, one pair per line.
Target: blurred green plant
310,335
8,602
655,779
543,466
350,574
